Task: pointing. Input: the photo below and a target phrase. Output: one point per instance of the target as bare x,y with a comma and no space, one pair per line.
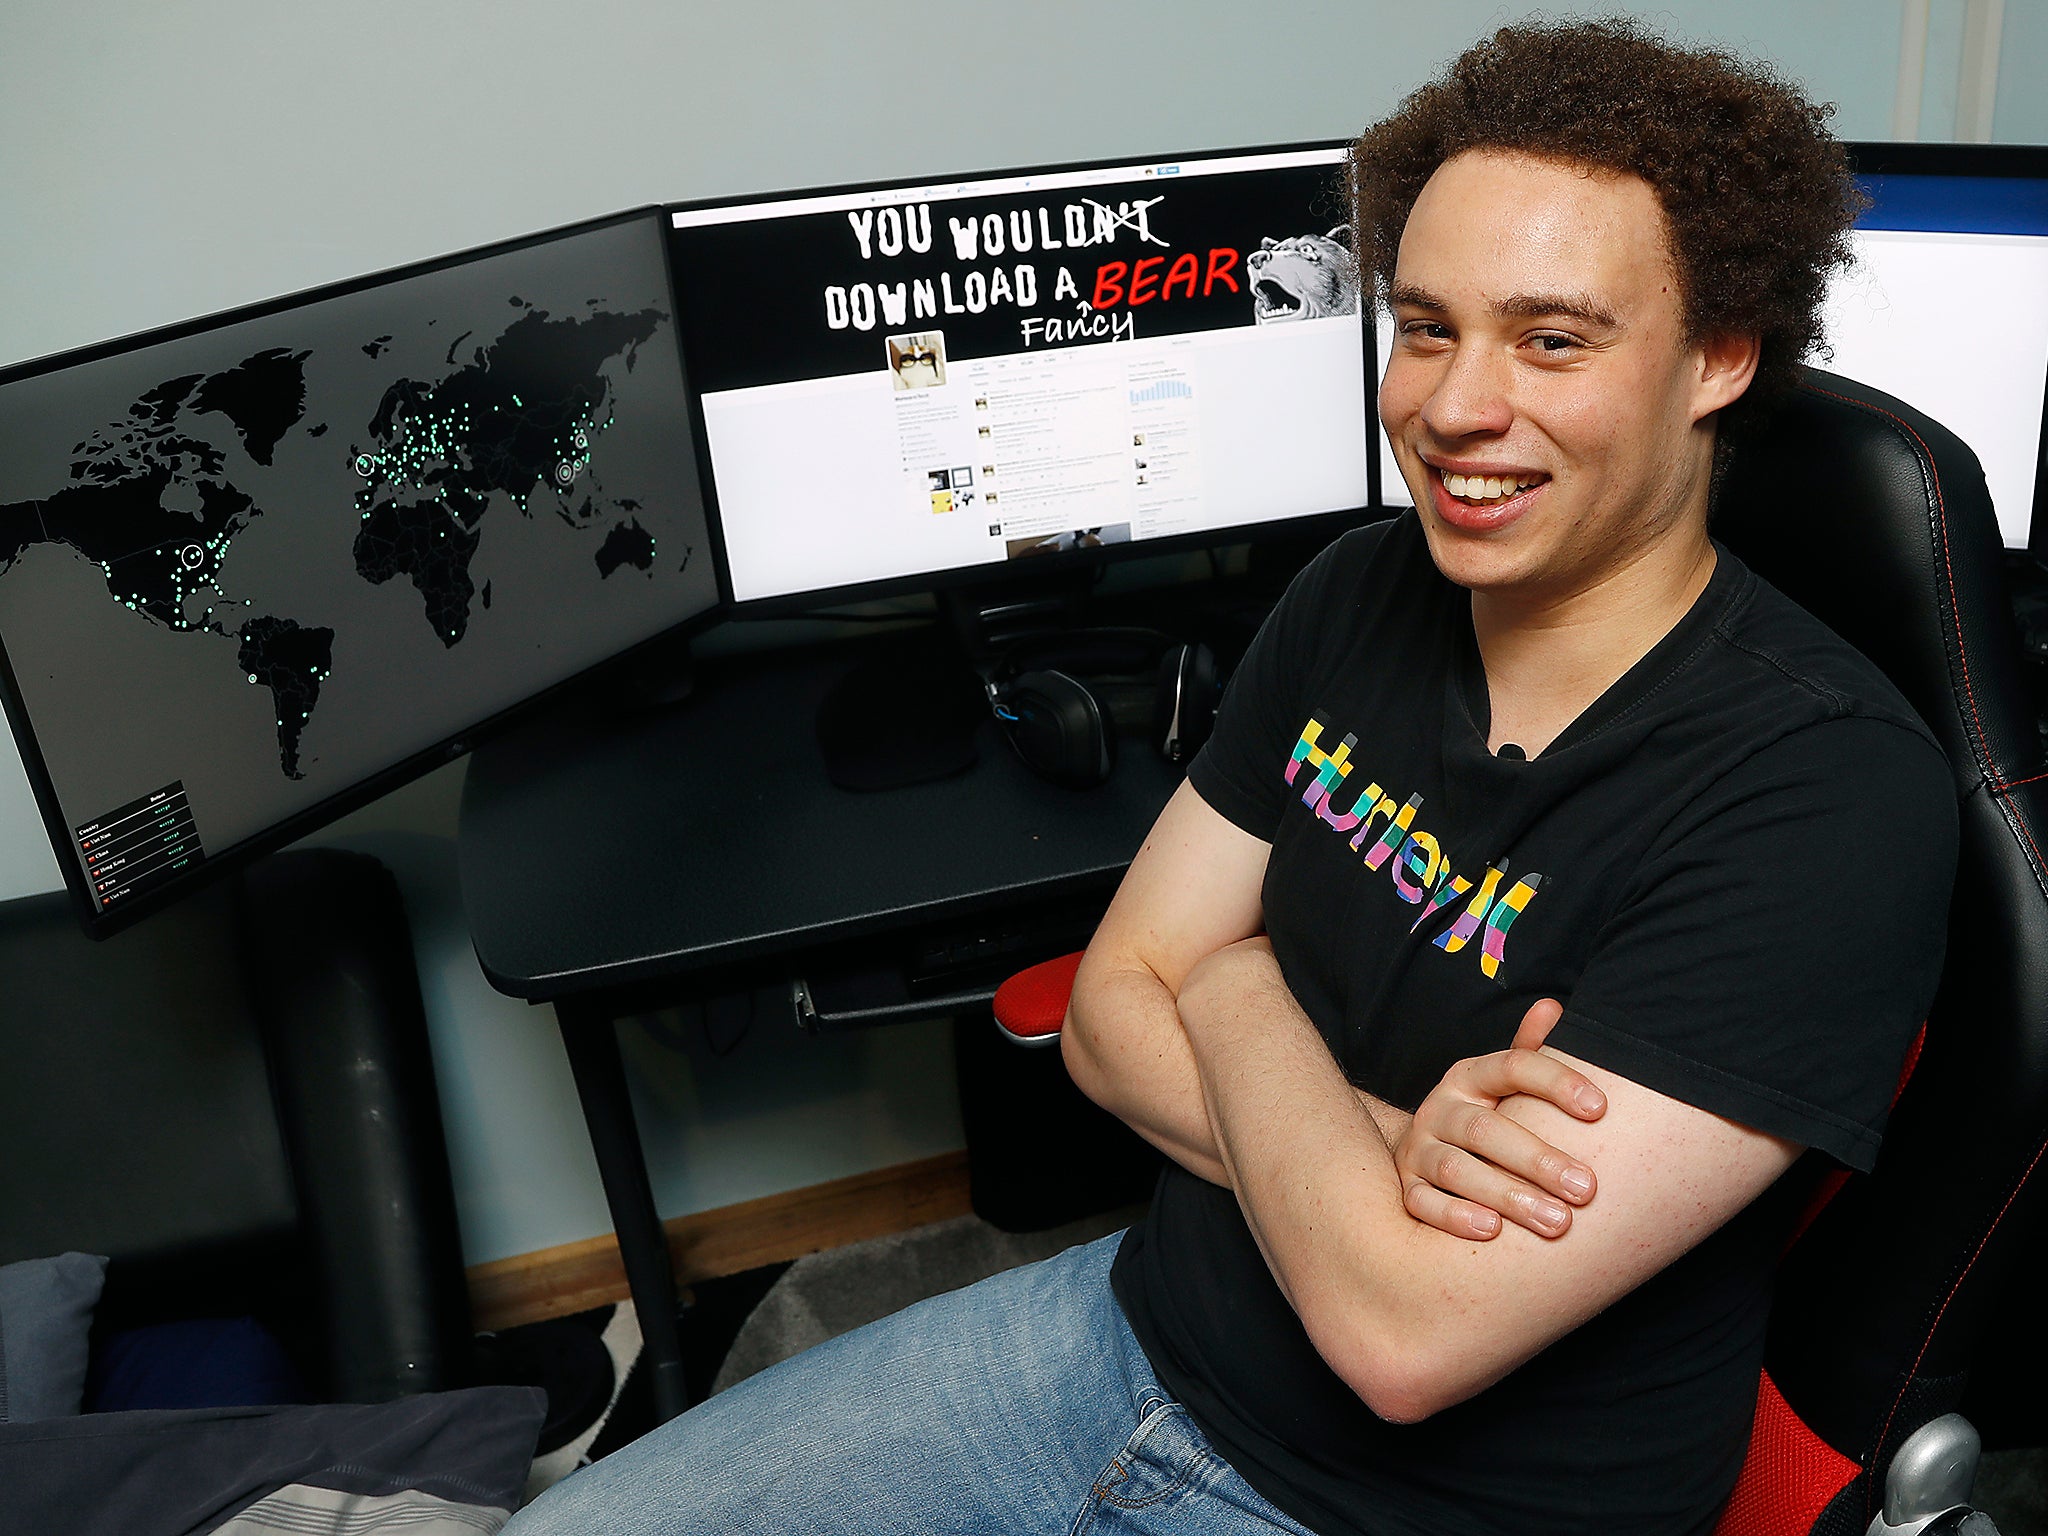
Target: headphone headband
1102,651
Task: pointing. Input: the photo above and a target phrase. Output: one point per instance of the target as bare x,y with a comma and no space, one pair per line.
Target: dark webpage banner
820,295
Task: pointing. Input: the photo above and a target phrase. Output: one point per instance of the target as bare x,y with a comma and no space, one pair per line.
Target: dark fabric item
207,1362
1733,869
45,1319
188,1472
135,1112
328,954
236,1100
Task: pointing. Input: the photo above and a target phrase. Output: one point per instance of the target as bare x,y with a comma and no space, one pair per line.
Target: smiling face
1548,412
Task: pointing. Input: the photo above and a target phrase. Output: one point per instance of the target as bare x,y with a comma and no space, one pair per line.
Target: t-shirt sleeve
1778,951
1238,771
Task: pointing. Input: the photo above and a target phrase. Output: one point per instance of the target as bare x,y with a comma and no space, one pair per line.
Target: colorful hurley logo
1384,833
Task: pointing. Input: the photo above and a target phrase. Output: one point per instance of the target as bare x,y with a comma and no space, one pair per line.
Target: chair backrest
1876,519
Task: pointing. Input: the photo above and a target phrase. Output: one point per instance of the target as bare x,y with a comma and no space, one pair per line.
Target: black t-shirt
1733,869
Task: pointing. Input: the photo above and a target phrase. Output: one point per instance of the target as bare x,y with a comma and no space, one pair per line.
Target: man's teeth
1487,487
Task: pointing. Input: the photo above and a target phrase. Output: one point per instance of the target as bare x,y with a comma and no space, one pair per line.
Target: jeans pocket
1152,1470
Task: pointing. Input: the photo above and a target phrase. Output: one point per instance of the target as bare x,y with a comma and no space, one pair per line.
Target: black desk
612,859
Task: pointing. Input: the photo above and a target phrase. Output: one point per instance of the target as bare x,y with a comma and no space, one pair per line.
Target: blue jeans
1016,1406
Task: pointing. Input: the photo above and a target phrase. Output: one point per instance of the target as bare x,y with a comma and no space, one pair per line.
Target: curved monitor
906,385
1946,307
259,568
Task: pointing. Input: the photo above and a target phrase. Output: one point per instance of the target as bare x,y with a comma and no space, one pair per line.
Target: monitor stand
909,712
906,714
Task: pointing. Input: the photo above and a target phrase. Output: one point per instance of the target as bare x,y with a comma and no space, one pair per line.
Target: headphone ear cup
1187,697
1057,728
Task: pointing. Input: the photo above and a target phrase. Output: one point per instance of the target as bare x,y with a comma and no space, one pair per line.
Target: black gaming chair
1876,519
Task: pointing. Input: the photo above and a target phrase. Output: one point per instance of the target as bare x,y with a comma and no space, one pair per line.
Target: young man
1537,764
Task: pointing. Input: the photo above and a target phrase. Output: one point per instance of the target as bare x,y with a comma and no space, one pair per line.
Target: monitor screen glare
914,380
251,565
1946,308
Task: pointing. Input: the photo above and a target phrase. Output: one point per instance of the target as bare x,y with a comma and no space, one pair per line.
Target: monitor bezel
2018,162
99,924
1326,525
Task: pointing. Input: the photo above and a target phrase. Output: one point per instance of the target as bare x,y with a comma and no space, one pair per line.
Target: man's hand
1463,1166
1461,1163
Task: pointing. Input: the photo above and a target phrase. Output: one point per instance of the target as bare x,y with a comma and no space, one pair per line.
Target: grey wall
159,162
2021,114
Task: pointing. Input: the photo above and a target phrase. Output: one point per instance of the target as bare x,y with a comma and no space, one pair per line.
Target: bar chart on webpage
1163,389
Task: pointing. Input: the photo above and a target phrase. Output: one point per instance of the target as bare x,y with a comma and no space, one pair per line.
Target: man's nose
1471,395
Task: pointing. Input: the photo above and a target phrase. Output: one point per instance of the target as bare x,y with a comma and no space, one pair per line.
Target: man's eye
1425,330
1554,344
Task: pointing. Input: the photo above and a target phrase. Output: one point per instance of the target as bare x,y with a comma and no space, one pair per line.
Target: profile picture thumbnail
918,360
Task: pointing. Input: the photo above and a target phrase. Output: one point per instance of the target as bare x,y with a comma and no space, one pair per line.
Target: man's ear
1726,364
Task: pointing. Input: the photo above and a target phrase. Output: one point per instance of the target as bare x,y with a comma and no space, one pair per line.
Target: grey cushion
45,1316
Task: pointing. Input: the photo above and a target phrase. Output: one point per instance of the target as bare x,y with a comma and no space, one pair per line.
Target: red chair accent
1789,1476
1032,1005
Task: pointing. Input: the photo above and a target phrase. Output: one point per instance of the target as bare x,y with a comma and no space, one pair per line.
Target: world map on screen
513,428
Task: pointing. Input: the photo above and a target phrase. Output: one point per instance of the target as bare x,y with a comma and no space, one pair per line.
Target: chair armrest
1031,1006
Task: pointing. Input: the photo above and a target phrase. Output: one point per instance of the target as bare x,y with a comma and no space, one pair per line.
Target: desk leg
591,1039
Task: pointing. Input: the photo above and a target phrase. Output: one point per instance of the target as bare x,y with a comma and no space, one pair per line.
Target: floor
2012,1487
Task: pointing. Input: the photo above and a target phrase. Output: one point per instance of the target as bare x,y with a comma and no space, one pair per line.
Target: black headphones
1063,728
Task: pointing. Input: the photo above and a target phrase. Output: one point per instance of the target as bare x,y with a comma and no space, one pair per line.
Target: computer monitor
259,568
905,385
1947,308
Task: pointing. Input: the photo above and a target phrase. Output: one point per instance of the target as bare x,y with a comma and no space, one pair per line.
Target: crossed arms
1182,1026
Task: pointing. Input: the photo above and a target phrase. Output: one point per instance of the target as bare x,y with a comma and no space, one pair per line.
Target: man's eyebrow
1569,306
1582,307
1414,297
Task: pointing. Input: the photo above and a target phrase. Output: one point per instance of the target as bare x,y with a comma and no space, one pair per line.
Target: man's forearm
1310,1166
1275,1098
1411,1317
1126,1048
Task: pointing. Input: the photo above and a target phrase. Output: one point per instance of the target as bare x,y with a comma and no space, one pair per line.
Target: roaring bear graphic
1304,278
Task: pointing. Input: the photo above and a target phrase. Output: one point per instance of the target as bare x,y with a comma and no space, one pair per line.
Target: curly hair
1756,193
